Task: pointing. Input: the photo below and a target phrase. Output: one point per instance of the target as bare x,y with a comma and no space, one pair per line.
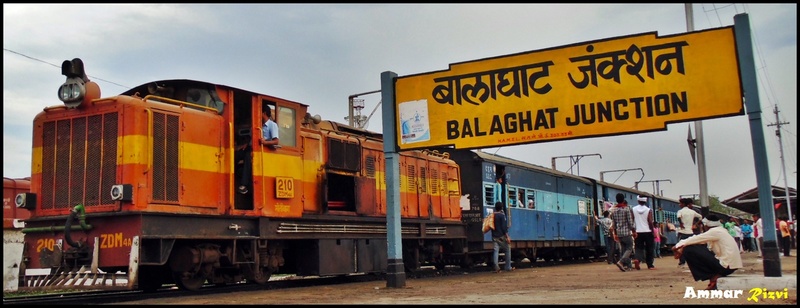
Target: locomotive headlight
25,201
72,92
122,192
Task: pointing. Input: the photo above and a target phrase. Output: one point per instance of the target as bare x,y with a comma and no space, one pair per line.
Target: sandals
712,283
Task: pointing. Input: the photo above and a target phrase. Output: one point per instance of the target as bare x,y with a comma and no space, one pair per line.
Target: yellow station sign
616,86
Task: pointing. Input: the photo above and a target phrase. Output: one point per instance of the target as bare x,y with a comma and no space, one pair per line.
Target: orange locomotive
139,190
13,217
13,221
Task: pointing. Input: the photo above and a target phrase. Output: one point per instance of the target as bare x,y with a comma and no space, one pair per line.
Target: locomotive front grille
79,157
165,157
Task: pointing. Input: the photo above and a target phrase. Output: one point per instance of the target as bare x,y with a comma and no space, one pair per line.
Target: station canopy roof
748,201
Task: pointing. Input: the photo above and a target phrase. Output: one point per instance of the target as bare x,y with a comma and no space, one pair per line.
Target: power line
59,67
762,70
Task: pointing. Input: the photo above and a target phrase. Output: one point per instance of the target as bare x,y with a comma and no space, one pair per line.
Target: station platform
587,282
747,282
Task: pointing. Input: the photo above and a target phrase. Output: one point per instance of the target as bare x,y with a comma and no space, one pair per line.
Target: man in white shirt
643,219
711,254
759,231
686,216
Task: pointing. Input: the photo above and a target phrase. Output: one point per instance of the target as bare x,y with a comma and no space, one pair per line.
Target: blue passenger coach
667,219
550,212
664,209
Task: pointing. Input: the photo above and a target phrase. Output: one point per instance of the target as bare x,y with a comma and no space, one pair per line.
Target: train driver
269,130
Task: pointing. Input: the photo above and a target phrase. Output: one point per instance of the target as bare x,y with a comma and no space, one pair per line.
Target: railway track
286,282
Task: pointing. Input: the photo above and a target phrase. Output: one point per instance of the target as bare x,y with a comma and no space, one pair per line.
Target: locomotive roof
148,87
340,127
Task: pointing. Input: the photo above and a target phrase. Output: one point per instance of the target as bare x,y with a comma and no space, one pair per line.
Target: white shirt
760,228
641,213
721,243
687,215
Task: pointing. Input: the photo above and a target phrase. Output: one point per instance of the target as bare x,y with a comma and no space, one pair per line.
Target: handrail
232,164
436,153
263,180
178,102
94,102
149,148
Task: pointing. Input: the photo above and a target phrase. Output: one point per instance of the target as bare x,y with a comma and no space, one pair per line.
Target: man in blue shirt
500,238
747,236
269,130
269,138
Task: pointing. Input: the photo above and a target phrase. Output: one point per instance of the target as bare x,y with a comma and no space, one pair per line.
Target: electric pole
778,124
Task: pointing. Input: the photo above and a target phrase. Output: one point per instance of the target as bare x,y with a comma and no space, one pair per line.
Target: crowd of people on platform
710,246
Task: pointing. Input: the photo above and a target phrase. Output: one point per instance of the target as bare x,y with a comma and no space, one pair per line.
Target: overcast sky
321,54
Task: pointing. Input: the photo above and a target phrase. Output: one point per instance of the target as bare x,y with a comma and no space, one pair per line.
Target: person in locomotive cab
624,231
269,138
269,130
711,254
244,163
500,238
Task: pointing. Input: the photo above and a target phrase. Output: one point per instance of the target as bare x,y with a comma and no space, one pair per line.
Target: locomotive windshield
196,93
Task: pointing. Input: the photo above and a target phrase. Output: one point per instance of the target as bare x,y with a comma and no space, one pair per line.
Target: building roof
748,200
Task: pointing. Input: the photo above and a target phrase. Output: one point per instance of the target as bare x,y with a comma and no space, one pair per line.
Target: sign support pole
396,274
772,263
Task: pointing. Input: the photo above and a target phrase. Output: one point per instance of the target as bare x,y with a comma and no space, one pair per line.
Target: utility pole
778,124
698,128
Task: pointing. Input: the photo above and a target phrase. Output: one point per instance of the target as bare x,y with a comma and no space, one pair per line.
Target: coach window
287,126
531,202
488,194
512,197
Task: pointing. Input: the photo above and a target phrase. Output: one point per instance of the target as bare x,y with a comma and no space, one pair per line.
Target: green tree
717,206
